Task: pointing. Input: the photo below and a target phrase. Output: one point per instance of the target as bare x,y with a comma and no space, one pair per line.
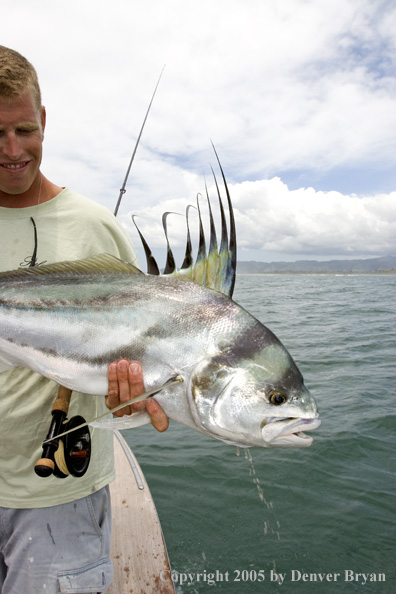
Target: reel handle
46,465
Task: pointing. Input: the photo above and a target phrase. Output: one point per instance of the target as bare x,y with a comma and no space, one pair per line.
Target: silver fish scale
70,327
109,317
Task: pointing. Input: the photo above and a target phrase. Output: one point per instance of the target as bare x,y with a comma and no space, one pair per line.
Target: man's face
21,137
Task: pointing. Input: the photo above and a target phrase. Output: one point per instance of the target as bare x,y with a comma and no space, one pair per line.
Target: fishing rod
67,447
145,396
123,190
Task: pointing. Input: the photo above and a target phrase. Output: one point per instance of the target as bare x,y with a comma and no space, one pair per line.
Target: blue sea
315,520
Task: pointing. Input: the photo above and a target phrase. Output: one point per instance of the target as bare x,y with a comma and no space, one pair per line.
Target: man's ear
43,119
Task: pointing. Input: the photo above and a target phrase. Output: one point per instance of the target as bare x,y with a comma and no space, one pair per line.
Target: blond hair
17,76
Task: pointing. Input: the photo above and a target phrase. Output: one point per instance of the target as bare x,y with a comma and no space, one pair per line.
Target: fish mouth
288,432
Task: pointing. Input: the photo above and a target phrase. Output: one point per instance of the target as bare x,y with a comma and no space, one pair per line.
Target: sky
298,97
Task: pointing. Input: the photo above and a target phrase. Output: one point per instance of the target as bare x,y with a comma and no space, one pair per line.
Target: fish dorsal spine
215,268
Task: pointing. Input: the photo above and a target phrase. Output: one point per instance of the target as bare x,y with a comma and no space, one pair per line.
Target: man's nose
10,146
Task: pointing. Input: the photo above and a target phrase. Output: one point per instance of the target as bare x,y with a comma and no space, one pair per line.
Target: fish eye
277,398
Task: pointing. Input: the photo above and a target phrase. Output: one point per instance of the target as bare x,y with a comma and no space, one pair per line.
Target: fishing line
60,458
178,379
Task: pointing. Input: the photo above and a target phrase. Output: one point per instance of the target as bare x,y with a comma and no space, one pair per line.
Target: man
54,533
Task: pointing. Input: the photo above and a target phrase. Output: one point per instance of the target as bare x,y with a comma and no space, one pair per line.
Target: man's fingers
125,381
112,398
159,420
136,383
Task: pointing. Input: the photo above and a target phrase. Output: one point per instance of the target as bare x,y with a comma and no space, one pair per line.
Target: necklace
39,194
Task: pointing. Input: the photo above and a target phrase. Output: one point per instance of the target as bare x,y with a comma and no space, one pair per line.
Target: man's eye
26,131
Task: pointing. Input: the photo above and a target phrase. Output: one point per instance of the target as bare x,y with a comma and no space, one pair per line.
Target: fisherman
54,534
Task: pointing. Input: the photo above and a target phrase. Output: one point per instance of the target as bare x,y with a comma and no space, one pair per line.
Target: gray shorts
65,548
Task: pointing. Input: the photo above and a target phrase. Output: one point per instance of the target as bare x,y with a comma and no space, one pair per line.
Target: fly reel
74,450
71,453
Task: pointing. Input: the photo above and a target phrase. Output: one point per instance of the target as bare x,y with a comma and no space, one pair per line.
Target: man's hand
126,382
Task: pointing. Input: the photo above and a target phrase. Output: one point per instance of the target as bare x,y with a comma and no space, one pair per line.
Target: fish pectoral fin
208,382
99,263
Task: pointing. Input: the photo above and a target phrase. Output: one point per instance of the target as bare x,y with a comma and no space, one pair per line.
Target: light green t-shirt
68,227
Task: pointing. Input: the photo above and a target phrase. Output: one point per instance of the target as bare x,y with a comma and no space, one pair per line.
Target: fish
69,320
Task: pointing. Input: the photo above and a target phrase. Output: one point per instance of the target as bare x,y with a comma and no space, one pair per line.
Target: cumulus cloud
293,91
306,222
274,222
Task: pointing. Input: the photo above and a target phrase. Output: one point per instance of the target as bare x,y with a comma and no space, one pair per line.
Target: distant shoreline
382,265
321,272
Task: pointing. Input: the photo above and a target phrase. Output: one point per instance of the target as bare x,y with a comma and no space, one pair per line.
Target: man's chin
19,193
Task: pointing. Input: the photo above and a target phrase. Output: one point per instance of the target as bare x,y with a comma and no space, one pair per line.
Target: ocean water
320,519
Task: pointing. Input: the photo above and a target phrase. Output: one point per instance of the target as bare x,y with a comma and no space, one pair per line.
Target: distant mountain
371,265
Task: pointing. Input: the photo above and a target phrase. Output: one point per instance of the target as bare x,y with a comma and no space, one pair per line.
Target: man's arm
126,382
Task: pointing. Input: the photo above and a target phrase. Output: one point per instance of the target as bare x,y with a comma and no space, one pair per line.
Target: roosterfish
236,382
